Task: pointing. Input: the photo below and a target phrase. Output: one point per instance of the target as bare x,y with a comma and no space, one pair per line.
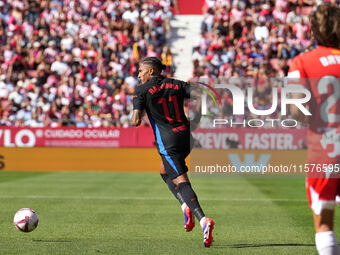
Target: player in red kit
319,71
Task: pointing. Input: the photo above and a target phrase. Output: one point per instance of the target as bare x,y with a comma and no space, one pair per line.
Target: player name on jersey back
330,59
155,88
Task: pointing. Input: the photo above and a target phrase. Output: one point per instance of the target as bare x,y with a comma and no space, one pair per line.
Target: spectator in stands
74,62
251,39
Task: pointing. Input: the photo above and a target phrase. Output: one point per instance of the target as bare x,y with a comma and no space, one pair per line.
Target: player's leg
191,199
174,162
172,187
177,171
180,177
189,195
189,219
321,194
325,239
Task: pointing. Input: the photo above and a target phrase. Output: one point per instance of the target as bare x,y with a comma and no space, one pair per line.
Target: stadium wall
186,7
79,159
249,161
134,159
142,137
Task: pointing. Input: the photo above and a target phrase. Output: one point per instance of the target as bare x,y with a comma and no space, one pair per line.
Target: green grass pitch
134,213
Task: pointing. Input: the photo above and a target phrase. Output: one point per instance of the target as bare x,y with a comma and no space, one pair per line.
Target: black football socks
173,188
190,198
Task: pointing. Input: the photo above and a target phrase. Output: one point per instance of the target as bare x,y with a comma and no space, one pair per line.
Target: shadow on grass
52,241
60,241
245,245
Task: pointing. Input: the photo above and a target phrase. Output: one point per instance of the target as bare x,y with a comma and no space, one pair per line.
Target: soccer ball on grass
26,220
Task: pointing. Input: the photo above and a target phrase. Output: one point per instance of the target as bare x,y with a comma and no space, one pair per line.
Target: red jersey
319,71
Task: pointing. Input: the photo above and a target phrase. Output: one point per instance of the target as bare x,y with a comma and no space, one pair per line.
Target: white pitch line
153,198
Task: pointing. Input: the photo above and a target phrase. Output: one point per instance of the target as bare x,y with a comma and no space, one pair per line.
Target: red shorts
321,193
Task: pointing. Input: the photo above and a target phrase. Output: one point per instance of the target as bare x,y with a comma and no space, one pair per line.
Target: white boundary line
153,198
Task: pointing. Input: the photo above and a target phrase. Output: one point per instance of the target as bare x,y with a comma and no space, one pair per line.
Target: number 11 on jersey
165,103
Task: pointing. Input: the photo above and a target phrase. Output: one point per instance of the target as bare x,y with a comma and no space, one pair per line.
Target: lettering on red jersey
330,60
319,71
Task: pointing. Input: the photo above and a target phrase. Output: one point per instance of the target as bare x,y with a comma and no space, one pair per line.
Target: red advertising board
224,138
251,138
76,137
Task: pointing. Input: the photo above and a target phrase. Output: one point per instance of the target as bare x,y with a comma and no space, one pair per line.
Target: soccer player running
162,100
319,71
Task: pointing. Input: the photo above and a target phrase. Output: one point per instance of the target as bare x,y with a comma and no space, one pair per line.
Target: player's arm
138,107
297,76
137,117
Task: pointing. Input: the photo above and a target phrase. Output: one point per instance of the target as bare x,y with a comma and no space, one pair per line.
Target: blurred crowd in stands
253,41
75,62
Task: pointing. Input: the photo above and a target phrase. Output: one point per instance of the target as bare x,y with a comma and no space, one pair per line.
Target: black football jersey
163,98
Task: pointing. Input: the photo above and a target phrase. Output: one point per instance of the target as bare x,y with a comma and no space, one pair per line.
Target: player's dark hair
154,62
325,25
